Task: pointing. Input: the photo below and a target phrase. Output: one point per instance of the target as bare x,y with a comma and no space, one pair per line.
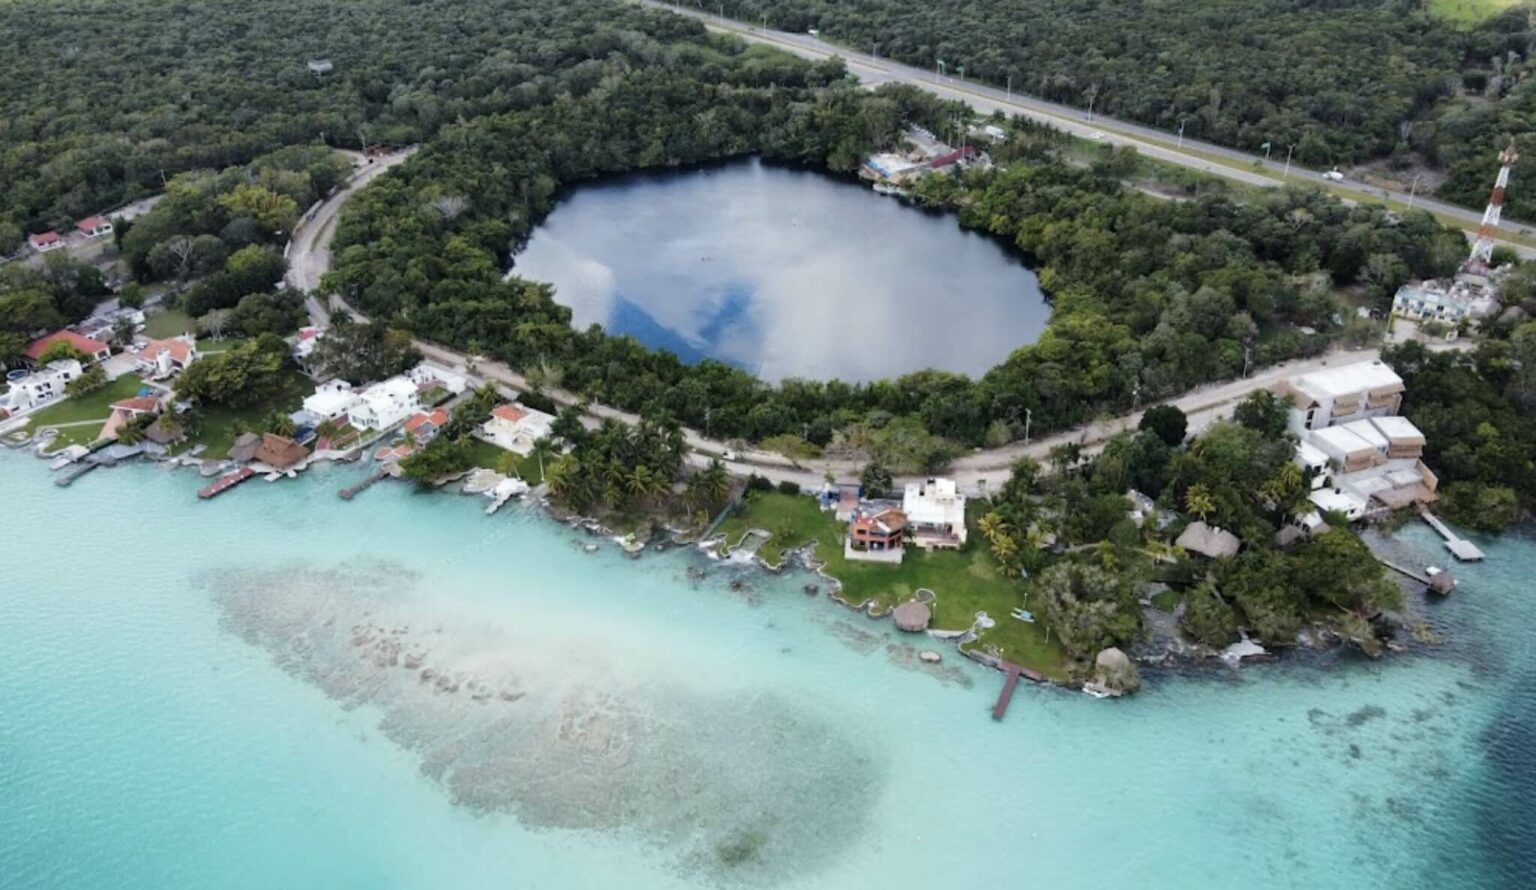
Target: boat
885,188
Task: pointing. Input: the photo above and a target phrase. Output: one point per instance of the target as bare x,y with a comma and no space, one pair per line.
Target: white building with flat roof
331,400
1339,395
428,375
385,404
936,513
45,385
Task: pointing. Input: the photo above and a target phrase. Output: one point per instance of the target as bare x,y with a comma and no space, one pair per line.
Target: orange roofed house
94,350
876,535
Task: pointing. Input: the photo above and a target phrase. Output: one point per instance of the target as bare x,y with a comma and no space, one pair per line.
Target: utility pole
1028,416
1181,131
1288,150
1010,88
1412,187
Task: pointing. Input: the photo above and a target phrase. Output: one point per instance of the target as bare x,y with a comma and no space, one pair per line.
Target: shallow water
784,272
231,694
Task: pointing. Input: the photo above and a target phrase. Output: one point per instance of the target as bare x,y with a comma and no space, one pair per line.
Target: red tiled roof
138,404
179,350
509,413
79,341
945,160
92,222
437,418
43,239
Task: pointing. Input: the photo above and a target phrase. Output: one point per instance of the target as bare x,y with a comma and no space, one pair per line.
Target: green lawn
164,323
1469,12
209,346
964,582
221,426
94,407
493,458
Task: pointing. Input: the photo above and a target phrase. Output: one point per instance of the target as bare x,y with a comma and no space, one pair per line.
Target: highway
1206,157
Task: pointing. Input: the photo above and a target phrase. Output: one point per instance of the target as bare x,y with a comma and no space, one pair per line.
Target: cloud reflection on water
784,272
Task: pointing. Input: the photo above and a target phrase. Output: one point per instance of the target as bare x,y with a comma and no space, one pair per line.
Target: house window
1311,415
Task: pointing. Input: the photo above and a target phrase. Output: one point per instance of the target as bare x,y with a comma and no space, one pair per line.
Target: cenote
784,272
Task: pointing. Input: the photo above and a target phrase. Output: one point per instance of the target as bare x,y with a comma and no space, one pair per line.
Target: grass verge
964,582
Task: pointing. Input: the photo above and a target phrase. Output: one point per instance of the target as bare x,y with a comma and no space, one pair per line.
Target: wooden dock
225,483
352,491
68,476
1460,547
1006,696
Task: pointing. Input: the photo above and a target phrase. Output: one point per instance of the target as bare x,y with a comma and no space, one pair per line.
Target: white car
1334,176
1096,134
729,455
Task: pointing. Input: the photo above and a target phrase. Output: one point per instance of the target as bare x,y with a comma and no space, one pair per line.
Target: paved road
309,250
310,258
1161,145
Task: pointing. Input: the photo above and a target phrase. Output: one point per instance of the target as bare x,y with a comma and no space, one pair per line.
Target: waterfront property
935,509
423,426
38,388
1361,455
385,404
516,427
877,535
279,452
128,411
331,400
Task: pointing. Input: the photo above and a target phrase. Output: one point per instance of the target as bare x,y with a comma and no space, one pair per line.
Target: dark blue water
784,272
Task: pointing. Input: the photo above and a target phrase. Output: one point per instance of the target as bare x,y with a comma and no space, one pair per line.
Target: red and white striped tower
1482,248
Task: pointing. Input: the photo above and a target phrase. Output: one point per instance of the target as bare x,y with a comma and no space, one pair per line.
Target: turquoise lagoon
229,694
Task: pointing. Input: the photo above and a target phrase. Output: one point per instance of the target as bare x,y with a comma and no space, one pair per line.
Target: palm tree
714,481
542,448
639,483
992,526
327,430
560,476
281,424
1199,502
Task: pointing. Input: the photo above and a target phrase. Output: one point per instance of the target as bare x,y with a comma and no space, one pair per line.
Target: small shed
1209,541
912,616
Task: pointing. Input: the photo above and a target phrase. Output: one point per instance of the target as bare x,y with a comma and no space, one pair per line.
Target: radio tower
1482,248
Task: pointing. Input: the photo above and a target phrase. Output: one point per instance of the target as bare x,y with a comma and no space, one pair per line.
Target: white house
1340,395
331,400
43,242
163,358
94,226
385,404
516,428
304,344
428,376
936,513
1449,302
40,387
1367,465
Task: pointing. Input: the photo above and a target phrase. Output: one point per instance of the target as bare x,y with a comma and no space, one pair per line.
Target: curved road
1163,146
309,258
